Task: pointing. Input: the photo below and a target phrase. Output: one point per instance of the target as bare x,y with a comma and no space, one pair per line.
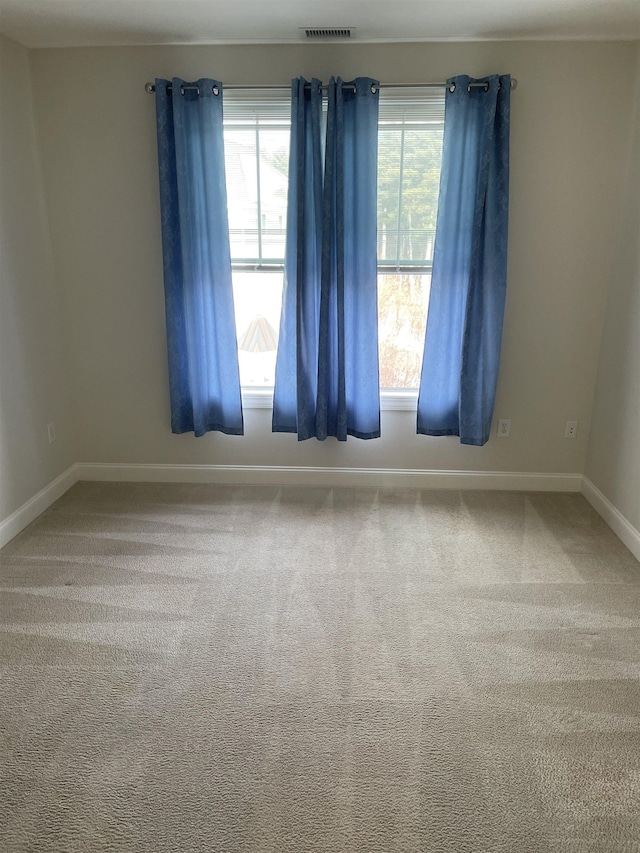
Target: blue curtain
203,359
327,363
468,286
296,379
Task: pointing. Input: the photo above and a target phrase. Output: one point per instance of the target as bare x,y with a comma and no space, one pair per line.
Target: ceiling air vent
327,32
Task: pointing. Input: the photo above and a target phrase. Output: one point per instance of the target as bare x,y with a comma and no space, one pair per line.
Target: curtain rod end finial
149,88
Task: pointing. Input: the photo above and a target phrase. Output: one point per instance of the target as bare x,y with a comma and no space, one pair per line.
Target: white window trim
399,400
390,400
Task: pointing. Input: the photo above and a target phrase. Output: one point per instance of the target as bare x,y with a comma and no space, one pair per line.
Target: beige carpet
210,668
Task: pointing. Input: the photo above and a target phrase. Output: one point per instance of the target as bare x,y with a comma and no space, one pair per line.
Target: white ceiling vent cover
327,32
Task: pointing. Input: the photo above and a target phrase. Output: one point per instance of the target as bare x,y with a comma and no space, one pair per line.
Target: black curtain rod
150,88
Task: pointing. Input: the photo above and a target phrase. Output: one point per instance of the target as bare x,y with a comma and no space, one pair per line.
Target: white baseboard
614,518
24,515
280,475
372,477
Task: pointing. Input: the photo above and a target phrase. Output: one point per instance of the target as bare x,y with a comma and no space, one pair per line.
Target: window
409,158
256,137
256,140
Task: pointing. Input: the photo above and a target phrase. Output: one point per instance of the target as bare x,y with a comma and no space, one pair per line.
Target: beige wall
570,119
613,463
33,381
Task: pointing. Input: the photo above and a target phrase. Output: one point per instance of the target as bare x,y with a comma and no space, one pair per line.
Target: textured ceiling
76,23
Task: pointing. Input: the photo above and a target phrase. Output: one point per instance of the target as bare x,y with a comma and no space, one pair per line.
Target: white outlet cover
571,429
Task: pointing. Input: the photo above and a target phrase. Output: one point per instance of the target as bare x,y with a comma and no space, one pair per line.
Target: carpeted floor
217,668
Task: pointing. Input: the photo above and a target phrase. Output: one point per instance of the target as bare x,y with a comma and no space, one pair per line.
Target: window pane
409,160
388,191
242,191
274,178
257,299
257,161
403,301
420,185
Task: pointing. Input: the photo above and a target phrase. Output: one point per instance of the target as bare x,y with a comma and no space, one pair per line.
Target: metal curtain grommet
452,88
216,90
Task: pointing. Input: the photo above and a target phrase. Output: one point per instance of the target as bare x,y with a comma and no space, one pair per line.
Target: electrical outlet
51,432
504,427
571,429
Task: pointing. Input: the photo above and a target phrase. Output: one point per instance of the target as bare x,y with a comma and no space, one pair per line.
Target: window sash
409,122
399,111
252,118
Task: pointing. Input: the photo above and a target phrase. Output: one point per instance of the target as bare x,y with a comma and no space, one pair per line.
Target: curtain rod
150,88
